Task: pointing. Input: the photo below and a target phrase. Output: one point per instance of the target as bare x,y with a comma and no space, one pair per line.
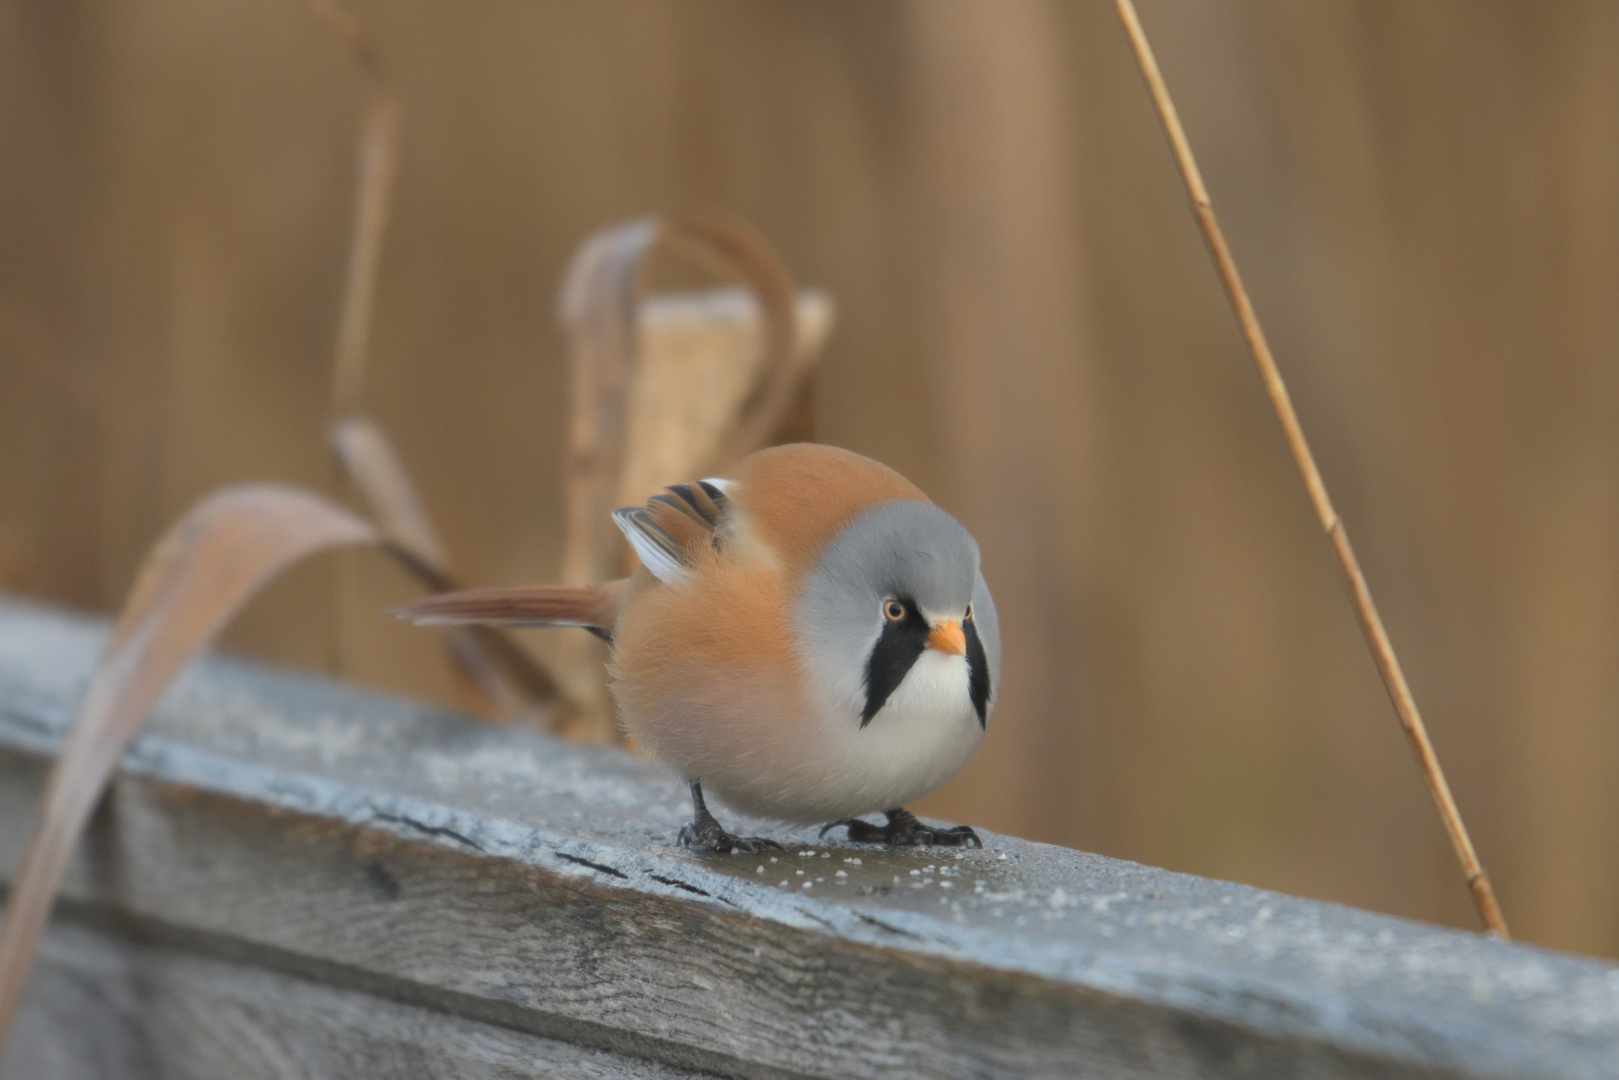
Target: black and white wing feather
675,524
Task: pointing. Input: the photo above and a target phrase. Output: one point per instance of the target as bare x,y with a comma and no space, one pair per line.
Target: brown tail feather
594,607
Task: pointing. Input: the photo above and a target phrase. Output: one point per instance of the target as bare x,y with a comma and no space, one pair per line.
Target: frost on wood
506,885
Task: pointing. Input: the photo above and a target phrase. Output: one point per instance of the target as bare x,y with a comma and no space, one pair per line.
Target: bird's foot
904,830
708,838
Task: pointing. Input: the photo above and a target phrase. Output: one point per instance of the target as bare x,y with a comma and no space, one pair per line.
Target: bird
809,638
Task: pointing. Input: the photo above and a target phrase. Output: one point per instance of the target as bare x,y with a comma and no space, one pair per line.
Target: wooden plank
104,1007
503,877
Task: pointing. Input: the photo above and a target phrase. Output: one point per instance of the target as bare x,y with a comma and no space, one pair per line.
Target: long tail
593,607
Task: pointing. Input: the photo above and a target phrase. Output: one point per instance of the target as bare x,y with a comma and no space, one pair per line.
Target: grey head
883,591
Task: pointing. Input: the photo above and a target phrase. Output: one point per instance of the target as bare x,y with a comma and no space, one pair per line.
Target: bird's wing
675,525
594,607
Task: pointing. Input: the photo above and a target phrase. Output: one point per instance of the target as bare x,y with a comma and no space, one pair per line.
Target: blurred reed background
1424,198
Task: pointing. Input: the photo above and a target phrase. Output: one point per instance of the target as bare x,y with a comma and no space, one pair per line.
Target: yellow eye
894,610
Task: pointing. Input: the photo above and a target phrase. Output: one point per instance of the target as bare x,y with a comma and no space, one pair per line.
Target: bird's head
897,598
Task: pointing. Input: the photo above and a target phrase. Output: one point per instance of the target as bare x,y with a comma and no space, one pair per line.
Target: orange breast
706,672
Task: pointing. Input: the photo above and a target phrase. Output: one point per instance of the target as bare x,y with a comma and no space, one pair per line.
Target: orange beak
947,637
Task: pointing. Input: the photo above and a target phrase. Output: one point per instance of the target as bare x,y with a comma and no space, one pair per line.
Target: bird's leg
706,835
904,830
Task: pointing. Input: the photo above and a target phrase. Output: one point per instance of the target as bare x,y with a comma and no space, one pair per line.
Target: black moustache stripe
892,657
977,672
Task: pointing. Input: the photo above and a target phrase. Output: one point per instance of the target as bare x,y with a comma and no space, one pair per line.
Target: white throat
924,735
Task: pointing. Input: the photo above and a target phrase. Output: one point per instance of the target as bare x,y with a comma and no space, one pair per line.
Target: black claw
904,830
716,841
958,836
707,837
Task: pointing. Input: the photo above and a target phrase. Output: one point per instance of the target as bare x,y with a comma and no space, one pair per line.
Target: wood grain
503,877
105,1006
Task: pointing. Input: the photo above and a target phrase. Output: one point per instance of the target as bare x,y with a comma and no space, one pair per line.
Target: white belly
922,737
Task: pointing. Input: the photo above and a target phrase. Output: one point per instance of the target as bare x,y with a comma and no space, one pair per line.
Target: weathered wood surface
294,878
106,1007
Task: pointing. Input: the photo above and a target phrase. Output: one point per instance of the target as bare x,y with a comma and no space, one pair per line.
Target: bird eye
969,613
894,610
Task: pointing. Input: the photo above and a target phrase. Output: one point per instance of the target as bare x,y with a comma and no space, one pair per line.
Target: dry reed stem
364,457
532,678
379,162
1388,665
200,574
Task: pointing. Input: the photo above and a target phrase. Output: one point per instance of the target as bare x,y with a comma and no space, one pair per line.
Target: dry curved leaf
765,407
599,310
698,360
199,575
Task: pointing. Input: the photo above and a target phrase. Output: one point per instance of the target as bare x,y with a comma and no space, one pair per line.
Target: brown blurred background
1424,198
